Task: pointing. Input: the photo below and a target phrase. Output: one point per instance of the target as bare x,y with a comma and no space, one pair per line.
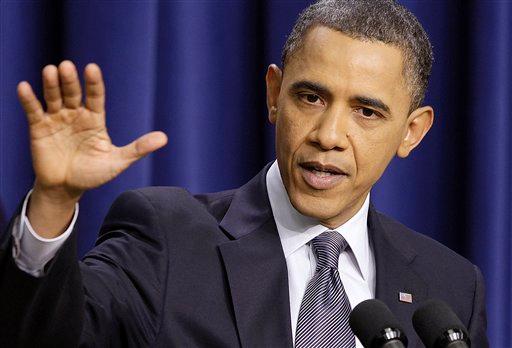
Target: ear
273,79
418,124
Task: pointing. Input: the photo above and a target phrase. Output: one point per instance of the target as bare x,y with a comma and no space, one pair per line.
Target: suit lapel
394,273
256,268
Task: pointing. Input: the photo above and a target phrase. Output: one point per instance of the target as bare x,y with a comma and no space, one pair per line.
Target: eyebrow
372,102
312,86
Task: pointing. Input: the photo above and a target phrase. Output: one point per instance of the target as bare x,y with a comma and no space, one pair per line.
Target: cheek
373,152
290,132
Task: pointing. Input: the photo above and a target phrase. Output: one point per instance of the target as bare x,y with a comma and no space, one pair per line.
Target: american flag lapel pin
404,297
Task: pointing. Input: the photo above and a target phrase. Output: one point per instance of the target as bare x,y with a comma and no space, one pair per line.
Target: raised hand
71,149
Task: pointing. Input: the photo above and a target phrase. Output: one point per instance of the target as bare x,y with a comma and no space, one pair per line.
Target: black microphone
439,327
375,326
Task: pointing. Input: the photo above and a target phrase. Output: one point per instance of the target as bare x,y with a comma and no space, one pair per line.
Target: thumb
144,145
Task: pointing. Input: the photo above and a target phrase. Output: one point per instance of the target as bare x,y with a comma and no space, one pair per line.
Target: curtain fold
489,165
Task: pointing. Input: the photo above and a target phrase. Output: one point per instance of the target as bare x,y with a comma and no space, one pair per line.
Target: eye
368,113
310,98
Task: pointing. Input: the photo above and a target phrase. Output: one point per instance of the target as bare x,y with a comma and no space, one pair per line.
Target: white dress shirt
30,251
356,265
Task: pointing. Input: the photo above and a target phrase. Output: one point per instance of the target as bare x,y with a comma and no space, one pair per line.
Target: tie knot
328,246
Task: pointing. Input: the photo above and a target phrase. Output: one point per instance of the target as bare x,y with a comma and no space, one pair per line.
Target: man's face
341,115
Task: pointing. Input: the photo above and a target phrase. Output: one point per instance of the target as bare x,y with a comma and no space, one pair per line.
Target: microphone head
433,320
371,320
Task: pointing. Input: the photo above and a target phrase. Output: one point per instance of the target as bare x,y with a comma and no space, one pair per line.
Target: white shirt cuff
30,251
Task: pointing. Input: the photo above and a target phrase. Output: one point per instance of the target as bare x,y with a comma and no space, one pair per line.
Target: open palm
70,145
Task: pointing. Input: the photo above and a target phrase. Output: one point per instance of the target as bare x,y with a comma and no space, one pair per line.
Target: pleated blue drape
195,69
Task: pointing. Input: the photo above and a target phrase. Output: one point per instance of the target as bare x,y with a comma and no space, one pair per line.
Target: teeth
321,173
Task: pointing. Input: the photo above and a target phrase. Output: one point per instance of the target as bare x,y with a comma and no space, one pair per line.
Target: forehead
347,65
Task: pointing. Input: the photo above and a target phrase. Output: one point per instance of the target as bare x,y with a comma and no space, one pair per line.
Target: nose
331,131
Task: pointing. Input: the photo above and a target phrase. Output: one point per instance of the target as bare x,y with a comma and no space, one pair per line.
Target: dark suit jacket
174,270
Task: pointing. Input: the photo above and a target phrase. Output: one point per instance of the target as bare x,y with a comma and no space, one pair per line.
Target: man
249,267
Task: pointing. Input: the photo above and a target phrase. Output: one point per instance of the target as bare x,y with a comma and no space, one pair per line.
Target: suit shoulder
159,193
179,200
424,247
159,200
141,206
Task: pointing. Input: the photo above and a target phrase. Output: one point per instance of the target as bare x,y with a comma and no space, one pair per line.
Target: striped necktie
325,309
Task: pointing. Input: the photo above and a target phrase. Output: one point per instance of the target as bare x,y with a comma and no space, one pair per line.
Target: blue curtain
195,69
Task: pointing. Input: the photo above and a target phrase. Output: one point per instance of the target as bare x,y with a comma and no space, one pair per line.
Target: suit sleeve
112,298
45,311
478,323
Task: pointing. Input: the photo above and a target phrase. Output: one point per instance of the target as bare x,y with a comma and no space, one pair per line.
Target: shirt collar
295,229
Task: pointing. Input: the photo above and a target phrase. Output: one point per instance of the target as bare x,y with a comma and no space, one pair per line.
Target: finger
30,103
51,89
94,88
70,85
144,145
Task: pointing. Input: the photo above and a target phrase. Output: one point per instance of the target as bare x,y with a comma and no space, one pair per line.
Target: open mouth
322,169
321,176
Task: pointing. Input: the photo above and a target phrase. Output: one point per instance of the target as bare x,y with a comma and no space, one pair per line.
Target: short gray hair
380,20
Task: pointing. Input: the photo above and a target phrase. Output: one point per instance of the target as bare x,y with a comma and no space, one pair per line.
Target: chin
319,208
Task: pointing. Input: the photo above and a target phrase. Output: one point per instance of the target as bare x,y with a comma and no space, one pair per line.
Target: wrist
55,196
50,211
